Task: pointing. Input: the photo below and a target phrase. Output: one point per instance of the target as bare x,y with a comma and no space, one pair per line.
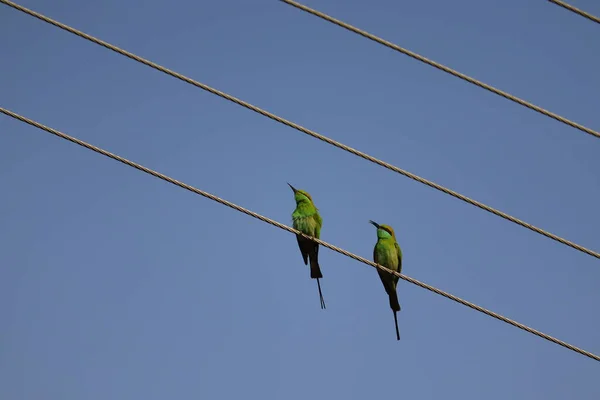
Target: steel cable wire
292,230
576,10
303,129
442,67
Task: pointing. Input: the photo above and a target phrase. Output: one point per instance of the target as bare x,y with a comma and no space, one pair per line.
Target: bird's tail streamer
321,294
396,322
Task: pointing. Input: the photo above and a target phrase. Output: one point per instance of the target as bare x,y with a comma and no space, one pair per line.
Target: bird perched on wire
388,254
307,220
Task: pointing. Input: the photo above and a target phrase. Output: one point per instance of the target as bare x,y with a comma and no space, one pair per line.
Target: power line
292,230
303,129
442,67
576,10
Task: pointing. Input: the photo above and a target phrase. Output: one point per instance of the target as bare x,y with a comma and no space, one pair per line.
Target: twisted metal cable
442,67
294,231
576,10
303,129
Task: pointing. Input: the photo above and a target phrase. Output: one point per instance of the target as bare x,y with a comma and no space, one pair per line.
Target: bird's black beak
293,188
374,224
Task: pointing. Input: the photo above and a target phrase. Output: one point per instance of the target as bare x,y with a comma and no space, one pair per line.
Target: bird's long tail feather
394,304
321,295
315,272
396,321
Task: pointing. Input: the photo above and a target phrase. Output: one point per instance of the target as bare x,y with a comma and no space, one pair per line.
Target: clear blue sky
116,285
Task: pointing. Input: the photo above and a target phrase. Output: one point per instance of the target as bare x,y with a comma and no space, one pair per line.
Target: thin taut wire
441,67
576,10
295,232
303,129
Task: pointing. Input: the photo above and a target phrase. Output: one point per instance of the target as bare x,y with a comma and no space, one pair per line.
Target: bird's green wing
375,258
399,251
386,279
319,221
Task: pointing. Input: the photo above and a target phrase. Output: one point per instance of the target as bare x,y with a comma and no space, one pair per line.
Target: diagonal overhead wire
303,129
294,231
576,10
441,67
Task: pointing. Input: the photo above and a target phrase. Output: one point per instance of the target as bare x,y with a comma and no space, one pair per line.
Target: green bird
307,220
388,254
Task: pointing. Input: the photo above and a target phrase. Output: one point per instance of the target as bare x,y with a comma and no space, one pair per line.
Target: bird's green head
301,196
383,231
